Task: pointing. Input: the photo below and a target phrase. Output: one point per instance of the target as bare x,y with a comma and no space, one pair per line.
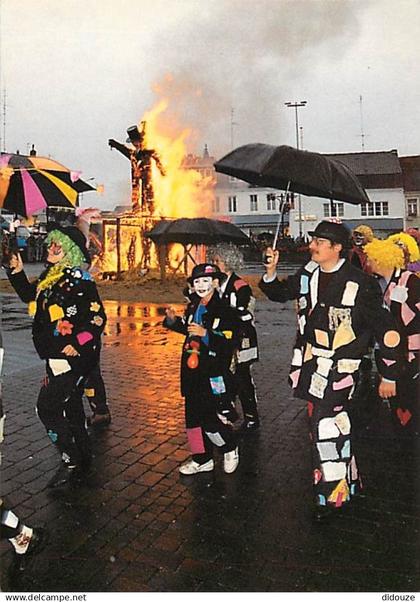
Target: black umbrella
287,168
196,231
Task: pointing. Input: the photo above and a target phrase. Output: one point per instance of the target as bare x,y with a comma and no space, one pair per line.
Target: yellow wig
408,242
385,253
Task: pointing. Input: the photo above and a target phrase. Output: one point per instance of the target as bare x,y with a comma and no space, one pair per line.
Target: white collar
335,268
223,286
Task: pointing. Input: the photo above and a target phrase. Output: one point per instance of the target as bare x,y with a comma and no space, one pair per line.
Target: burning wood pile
163,186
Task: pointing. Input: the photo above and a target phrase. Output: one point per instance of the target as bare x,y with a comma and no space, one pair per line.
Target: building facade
411,178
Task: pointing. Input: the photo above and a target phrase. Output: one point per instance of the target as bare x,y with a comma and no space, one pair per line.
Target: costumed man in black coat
339,310
401,289
68,322
238,294
207,383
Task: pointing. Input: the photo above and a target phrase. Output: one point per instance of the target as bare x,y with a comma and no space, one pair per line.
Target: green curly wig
73,256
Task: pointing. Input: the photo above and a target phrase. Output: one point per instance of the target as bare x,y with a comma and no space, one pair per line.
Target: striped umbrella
29,184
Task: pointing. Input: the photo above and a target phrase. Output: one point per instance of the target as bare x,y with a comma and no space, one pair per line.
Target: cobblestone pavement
137,525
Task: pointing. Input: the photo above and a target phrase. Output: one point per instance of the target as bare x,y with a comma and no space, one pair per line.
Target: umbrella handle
280,217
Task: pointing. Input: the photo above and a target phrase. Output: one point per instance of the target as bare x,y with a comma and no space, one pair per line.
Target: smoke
248,56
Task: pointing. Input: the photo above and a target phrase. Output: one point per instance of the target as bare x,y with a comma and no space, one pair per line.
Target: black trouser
205,428
60,410
246,391
95,391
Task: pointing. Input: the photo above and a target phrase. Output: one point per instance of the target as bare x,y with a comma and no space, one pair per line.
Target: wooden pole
162,251
118,241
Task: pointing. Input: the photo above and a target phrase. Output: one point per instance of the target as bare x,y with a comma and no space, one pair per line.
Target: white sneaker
192,467
231,461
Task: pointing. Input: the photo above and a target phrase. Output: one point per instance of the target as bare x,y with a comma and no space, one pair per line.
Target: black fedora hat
337,233
206,269
75,235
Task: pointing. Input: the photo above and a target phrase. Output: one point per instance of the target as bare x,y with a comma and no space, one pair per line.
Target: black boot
21,561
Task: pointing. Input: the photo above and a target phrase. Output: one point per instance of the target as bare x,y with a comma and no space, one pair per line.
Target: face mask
203,286
359,239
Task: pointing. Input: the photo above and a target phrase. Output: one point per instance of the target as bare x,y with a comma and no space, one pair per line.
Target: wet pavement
137,525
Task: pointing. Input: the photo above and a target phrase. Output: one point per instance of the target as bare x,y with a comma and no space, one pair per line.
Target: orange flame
181,192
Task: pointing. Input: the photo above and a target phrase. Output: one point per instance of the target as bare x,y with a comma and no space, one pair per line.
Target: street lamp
295,105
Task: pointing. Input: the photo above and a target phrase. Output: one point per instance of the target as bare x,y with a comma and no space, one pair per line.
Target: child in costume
207,383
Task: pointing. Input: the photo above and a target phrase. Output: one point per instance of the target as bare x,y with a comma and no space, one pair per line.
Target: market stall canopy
287,168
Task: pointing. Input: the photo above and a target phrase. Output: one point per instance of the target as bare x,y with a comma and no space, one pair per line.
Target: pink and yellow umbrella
29,184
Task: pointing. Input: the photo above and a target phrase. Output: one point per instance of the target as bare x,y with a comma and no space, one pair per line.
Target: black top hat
337,233
75,235
206,269
134,135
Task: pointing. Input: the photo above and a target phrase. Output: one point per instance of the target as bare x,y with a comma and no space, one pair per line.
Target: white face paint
203,286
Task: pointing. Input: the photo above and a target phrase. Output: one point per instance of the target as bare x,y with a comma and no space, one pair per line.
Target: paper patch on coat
227,334
336,315
345,382
392,339
345,450
318,352
303,303
217,385
216,323
323,366
318,385
56,312
311,266
399,294
84,337
333,471
321,337
59,366
350,292
308,353
304,284
414,342
327,429
388,362
342,421
302,323
294,377
407,314
343,335
327,451
347,365
297,357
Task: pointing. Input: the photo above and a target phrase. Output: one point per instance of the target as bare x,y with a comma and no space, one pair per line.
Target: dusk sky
77,72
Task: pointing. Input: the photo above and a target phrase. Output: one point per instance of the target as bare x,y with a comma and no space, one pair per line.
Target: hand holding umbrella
271,259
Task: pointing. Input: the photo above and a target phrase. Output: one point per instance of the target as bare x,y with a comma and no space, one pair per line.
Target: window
253,202
216,204
337,210
232,205
366,209
412,207
271,202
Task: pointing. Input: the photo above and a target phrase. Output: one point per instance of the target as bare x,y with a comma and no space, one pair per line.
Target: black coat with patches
75,297
214,359
365,313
